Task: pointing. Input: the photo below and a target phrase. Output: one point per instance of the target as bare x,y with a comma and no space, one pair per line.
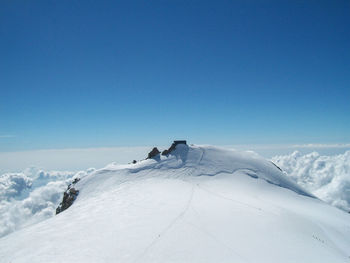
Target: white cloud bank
327,177
31,196
70,159
320,145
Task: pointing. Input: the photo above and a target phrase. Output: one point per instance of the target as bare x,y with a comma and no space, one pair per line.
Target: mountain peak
197,204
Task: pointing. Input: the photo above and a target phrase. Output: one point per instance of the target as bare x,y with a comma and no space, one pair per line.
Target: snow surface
202,204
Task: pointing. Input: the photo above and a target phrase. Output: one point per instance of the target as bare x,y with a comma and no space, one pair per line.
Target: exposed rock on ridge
69,197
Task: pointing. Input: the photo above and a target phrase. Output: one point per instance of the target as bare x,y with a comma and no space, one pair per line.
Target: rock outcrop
172,147
277,166
153,153
69,197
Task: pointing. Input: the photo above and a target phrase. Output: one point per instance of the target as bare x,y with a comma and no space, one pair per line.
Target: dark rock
153,153
76,180
276,166
72,191
69,197
165,153
180,142
134,161
172,147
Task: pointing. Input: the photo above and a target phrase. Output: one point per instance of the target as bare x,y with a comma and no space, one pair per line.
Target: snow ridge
199,204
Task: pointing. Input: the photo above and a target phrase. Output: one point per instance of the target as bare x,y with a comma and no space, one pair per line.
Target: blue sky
126,73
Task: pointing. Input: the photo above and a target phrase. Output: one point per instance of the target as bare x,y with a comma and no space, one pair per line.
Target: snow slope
201,204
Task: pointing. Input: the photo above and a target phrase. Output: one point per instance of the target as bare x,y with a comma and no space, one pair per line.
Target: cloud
70,159
13,184
31,196
327,177
312,145
271,150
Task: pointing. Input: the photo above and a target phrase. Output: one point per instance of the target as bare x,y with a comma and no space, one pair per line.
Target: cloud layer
69,159
31,196
327,177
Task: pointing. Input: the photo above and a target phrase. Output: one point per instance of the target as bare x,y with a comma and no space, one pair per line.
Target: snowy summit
192,204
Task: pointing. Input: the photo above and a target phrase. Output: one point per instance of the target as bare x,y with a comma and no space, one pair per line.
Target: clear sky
77,74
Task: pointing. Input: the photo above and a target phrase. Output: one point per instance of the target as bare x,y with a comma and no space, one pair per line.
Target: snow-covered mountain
199,204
